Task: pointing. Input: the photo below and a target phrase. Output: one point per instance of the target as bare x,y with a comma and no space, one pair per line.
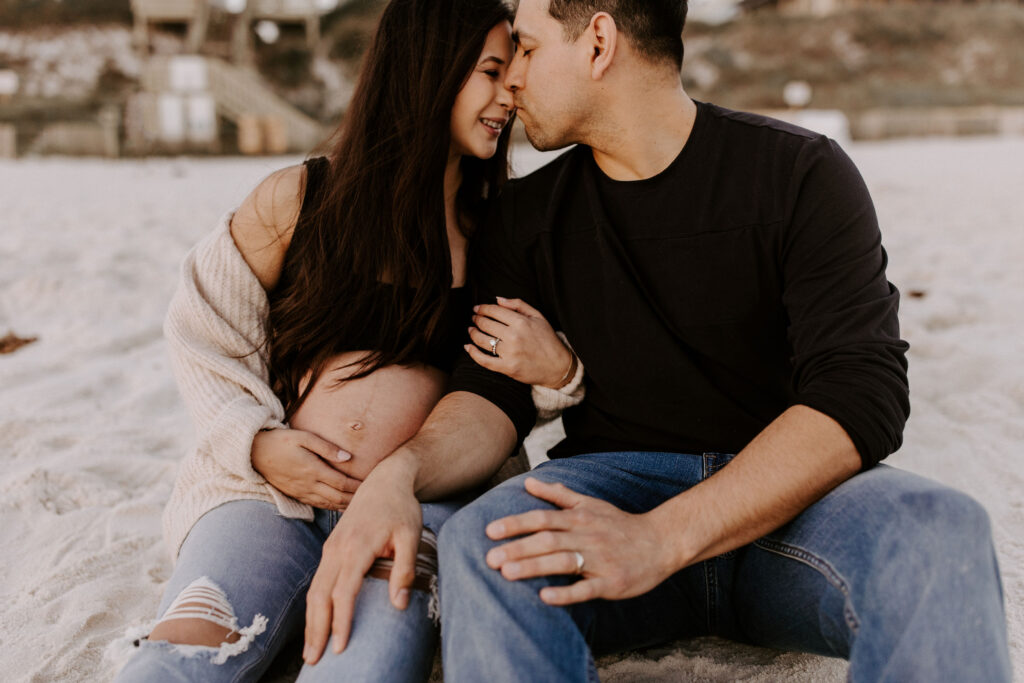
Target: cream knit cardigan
217,340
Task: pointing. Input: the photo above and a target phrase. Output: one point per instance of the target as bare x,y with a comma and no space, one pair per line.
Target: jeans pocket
715,461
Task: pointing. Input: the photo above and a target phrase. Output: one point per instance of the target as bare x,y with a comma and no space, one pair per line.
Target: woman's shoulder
263,225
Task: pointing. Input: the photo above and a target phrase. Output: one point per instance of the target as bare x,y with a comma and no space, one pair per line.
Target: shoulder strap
316,171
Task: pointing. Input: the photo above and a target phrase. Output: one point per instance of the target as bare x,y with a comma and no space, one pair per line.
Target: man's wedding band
579,561
494,346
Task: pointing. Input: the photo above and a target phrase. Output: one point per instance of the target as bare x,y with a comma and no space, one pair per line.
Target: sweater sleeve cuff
229,438
551,402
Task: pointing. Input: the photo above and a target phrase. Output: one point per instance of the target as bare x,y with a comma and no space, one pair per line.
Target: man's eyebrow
518,35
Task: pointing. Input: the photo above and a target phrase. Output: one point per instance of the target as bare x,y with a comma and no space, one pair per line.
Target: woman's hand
528,349
302,465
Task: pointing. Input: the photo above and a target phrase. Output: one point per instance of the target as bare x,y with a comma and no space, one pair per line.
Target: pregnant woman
311,335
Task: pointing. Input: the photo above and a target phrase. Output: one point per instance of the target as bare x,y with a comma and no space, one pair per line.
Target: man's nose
513,76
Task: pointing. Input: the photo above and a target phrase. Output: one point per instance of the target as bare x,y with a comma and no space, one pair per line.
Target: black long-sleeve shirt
747,277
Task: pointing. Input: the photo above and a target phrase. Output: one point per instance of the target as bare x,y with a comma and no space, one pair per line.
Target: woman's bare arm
302,464
263,225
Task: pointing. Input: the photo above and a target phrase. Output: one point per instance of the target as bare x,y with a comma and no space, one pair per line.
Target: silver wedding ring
494,346
579,561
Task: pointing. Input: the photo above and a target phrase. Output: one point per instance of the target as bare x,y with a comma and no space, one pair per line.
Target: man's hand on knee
618,555
383,520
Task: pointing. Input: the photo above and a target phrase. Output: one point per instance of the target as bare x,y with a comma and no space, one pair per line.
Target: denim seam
822,567
710,579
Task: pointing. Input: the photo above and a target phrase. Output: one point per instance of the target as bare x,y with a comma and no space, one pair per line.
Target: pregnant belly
372,416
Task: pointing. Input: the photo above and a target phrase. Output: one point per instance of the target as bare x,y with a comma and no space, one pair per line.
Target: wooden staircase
194,13
170,116
241,95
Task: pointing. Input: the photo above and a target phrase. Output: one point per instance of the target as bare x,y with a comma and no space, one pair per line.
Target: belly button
356,426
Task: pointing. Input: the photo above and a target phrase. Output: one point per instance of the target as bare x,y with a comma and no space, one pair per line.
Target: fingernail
307,654
501,299
511,570
344,456
495,558
476,309
336,645
402,600
495,529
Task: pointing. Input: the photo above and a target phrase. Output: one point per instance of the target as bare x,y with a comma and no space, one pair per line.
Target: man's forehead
530,15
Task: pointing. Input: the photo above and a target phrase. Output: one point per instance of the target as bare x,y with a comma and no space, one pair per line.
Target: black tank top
443,350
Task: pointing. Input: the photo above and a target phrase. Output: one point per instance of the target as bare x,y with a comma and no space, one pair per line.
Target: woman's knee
201,615
192,632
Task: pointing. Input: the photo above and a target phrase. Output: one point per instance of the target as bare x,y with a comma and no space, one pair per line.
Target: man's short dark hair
655,27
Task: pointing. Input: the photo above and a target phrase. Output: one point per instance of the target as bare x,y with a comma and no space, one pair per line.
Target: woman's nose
504,97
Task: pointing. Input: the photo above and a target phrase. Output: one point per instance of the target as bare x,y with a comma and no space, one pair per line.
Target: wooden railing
240,92
287,9
183,10
167,10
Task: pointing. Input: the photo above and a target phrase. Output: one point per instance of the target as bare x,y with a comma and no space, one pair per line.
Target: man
721,277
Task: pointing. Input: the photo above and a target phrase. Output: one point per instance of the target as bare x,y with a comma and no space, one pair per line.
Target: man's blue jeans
891,571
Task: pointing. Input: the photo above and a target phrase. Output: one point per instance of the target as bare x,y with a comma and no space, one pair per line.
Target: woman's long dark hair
370,268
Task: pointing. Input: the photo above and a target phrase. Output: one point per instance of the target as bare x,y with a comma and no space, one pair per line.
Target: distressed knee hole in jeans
204,601
426,571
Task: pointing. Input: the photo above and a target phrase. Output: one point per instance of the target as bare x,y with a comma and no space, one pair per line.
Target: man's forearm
795,461
463,442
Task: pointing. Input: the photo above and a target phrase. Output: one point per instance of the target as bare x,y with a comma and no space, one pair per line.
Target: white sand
91,427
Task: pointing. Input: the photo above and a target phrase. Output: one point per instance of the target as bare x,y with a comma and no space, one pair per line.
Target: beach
92,428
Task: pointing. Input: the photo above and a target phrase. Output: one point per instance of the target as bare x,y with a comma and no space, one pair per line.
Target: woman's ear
603,36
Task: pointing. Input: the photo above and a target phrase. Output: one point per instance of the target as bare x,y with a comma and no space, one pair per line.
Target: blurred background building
139,77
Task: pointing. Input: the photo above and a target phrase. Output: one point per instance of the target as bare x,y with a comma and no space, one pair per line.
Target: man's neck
639,138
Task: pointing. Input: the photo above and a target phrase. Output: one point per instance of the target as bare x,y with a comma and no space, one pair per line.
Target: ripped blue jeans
248,566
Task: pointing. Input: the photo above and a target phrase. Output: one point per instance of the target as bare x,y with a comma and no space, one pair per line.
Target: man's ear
603,36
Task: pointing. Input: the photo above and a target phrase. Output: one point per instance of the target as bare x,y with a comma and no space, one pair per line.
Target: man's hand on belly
304,466
622,554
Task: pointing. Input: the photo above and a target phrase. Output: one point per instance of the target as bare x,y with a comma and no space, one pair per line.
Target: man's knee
944,518
463,538
937,537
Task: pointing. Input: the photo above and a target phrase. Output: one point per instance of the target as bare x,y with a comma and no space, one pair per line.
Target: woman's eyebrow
491,58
